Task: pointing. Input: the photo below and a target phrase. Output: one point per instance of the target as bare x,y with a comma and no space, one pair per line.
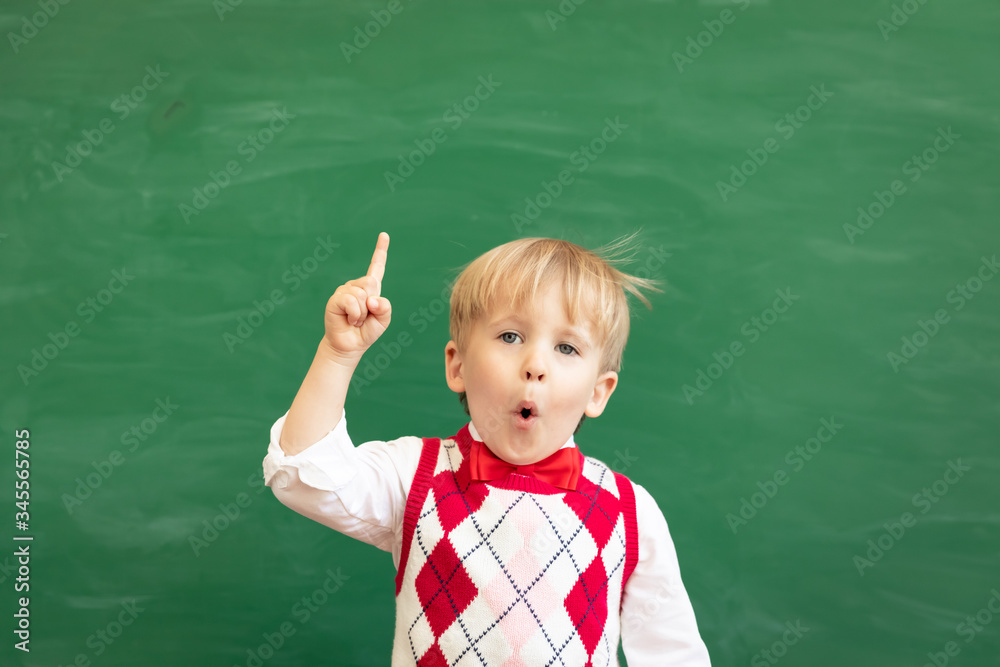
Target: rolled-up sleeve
358,491
658,623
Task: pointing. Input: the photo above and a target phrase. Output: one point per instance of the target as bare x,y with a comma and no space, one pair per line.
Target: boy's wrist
327,353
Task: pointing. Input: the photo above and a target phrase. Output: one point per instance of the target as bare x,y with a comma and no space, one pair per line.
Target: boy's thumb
383,309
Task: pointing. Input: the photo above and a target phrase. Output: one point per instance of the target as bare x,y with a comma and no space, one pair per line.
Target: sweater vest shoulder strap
415,499
627,495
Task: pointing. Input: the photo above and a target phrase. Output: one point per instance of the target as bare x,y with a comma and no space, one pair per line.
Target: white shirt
361,492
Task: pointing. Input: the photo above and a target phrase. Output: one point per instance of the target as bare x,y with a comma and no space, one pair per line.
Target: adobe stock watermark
899,16
961,294
123,105
566,9
7,569
753,329
38,20
635,617
454,117
969,628
654,262
135,436
561,524
895,530
372,29
294,276
797,458
228,514
301,611
581,158
102,638
249,148
786,126
915,167
88,309
381,355
779,649
713,30
223,7
387,349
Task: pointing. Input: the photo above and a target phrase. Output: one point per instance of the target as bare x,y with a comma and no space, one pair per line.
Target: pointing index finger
377,267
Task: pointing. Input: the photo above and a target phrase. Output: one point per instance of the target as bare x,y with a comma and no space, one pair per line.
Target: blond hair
591,281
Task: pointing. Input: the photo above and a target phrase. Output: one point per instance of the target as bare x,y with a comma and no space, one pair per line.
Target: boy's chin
521,457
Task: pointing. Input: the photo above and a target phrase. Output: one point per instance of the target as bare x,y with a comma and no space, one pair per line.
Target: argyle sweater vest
513,572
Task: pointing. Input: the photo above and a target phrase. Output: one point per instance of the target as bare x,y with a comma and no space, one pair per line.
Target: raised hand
357,313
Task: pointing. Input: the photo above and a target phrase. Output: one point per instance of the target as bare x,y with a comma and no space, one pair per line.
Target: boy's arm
358,491
356,315
319,403
657,621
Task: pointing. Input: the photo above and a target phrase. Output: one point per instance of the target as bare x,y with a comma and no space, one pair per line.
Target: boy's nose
534,366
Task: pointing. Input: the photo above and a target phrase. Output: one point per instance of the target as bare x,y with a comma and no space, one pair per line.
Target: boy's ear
603,388
453,367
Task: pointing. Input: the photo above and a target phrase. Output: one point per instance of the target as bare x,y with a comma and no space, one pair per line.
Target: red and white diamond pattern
511,578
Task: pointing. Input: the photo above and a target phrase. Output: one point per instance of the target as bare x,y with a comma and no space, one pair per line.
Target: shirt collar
475,436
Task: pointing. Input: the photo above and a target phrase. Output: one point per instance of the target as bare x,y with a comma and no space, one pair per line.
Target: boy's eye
566,348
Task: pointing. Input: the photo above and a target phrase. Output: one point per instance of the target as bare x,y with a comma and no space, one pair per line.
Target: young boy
511,546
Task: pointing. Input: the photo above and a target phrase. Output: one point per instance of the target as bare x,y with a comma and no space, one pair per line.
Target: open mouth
527,411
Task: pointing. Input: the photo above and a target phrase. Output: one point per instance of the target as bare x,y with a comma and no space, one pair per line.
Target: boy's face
533,354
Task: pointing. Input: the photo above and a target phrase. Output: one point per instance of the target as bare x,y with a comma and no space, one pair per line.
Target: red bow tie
561,469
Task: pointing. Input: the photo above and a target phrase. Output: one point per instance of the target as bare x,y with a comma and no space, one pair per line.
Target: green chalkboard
812,400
